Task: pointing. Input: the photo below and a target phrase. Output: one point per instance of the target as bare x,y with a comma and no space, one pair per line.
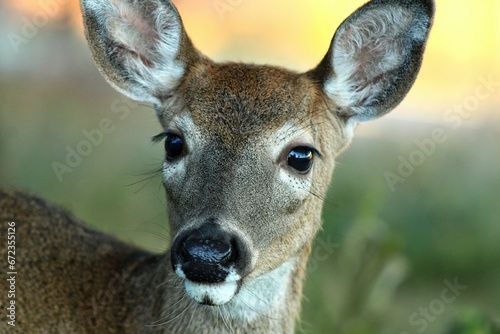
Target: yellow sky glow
464,44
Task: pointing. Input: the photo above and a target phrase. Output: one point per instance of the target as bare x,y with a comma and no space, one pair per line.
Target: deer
249,155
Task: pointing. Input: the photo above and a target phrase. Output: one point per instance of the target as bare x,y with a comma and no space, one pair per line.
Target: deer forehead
241,102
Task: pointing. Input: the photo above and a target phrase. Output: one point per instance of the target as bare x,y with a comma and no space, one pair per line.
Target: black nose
211,251
208,254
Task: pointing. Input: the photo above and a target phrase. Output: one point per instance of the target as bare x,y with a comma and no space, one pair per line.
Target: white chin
211,294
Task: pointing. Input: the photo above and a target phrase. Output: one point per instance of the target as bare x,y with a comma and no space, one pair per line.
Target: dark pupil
300,159
173,146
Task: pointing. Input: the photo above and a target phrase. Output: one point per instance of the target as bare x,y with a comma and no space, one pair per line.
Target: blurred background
411,238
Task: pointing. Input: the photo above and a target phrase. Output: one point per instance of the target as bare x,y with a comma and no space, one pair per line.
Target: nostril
209,254
206,250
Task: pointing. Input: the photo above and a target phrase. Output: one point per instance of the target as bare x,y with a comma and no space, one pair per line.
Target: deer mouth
212,294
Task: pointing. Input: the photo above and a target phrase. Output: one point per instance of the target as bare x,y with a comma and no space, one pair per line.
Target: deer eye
301,159
174,146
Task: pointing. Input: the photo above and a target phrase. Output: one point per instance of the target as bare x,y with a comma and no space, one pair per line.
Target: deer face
247,163
250,149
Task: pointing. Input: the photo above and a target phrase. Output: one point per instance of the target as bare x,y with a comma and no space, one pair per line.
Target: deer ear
140,46
374,57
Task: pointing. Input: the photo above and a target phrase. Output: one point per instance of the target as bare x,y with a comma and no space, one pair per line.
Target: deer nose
206,250
208,254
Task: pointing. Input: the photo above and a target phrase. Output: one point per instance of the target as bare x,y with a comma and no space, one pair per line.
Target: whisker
254,310
169,312
226,318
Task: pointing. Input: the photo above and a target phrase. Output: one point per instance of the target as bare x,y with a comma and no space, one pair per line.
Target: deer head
250,149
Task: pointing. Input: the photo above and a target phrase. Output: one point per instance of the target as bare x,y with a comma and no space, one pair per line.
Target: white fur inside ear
365,48
147,35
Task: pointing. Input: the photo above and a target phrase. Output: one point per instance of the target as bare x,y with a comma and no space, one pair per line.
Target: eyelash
159,137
